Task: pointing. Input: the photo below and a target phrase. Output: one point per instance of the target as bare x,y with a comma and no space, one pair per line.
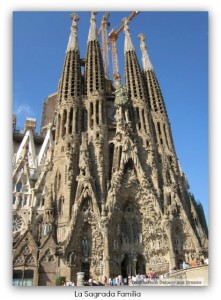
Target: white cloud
23,109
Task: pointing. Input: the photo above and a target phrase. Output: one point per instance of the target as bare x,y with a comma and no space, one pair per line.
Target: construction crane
113,36
103,30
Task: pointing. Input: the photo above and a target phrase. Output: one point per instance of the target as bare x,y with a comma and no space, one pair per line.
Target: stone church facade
102,191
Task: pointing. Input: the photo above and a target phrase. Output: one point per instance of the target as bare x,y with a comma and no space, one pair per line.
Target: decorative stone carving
76,164
121,98
72,258
85,246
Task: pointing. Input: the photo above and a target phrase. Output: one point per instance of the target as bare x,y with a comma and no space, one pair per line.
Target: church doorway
140,265
133,268
85,267
124,266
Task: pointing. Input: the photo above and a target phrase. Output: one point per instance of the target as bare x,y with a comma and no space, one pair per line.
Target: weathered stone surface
103,195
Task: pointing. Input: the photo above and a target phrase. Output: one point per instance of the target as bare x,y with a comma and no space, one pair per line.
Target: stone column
80,279
141,119
36,277
168,225
106,258
134,262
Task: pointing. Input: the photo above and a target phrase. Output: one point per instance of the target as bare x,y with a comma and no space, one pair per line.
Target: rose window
17,224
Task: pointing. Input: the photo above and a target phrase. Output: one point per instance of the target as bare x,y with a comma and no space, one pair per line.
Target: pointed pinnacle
93,36
128,45
145,57
74,17
73,39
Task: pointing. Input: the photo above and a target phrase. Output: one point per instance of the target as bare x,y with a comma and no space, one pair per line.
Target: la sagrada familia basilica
100,190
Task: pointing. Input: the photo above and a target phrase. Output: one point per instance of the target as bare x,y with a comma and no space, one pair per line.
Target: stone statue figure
72,258
121,98
121,102
85,246
47,229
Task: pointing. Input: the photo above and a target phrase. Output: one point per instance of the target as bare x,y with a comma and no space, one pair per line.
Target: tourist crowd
139,278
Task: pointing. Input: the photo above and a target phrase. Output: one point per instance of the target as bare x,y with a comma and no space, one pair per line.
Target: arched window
111,155
97,112
64,122
119,155
85,204
165,134
158,127
19,186
84,119
76,121
58,126
91,114
143,117
70,120
169,199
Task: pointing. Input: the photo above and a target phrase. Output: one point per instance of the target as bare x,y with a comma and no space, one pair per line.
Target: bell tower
95,104
68,133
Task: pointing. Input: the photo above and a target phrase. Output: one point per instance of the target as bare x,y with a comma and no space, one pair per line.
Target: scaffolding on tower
113,36
103,30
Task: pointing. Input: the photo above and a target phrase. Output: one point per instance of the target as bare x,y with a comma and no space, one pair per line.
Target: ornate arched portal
132,265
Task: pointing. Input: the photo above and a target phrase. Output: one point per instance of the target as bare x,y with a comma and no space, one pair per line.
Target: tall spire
93,36
70,90
73,39
70,86
94,72
128,45
160,119
145,57
133,75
